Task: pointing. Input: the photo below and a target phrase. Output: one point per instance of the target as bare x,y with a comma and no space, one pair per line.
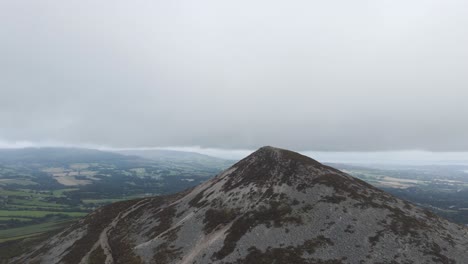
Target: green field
101,201
61,192
35,203
26,213
38,214
23,219
31,230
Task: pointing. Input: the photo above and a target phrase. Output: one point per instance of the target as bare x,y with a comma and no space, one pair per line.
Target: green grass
31,193
16,207
22,219
101,201
60,193
37,214
17,181
31,230
34,203
15,193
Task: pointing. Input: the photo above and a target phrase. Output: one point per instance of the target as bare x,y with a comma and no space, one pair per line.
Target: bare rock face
274,206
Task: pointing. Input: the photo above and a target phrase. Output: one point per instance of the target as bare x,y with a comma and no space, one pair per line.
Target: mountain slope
273,206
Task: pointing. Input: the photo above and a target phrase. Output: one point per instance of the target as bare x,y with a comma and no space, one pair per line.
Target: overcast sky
333,75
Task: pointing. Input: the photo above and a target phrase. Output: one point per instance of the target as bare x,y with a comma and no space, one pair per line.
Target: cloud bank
307,75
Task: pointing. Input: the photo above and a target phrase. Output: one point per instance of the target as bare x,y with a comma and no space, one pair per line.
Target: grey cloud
308,75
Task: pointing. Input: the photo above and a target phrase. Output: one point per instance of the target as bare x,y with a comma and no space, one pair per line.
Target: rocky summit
274,206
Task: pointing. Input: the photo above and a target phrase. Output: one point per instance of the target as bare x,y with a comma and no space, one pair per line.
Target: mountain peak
280,156
273,166
273,152
267,149
273,206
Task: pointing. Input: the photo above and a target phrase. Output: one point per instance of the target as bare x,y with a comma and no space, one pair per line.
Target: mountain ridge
272,205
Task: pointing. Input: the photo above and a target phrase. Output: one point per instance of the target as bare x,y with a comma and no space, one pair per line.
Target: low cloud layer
307,75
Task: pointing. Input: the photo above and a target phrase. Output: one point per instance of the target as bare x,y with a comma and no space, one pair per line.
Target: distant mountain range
180,157
60,156
274,206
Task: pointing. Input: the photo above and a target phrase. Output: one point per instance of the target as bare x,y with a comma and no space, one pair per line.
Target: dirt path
104,236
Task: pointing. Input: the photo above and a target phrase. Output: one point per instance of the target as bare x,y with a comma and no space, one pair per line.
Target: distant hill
180,157
61,156
175,163
274,206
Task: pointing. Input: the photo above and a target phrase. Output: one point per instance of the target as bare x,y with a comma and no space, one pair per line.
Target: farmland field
31,230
